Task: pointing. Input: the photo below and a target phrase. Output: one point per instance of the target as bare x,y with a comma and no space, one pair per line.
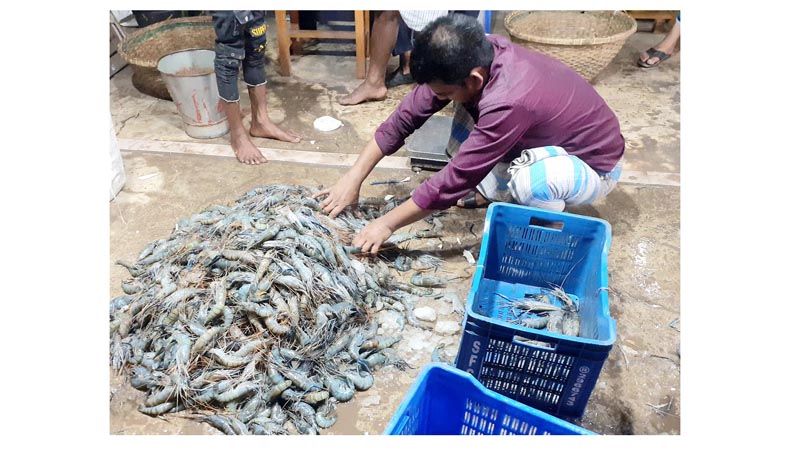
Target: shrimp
134,270
205,339
132,287
315,397
275,391
554,323
301,380
537,307
379,343
430,281
160,397
240,391
403,263
326,415
339,388
226,360
436,355
242,256
220,295
219,422
261,310
158,409
361,382
249,347
571,322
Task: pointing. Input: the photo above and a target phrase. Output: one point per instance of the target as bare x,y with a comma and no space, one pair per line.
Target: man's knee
564,178
546,181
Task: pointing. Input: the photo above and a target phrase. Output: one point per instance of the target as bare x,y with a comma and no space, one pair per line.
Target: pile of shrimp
258,317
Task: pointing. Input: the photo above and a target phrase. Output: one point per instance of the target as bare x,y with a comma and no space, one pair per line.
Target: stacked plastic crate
517,374
528,251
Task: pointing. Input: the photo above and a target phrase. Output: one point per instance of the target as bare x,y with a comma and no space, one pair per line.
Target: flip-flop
652,53
398,78
469,201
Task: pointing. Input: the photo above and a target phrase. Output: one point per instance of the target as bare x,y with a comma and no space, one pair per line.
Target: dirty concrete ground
638,391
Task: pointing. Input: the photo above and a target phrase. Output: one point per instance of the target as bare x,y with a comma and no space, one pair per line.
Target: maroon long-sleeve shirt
530,100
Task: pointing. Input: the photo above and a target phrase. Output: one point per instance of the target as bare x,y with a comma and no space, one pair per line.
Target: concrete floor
643,368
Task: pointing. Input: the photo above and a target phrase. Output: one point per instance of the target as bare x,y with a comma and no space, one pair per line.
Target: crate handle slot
537,345
538,222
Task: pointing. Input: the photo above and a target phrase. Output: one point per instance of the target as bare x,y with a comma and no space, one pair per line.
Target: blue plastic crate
529,250
447,401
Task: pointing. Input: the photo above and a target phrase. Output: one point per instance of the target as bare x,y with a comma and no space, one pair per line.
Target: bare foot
272,131
246,152
365,92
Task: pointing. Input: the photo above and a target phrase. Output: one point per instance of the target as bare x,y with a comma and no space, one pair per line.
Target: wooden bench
286,34
666,18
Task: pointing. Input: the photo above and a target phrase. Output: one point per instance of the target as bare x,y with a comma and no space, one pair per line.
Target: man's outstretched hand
371,237
344,193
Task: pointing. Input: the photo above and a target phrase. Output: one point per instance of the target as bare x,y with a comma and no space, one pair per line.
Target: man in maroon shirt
527,129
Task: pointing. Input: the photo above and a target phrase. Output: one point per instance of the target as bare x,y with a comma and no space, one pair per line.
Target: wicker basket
145,47
587,41
149,81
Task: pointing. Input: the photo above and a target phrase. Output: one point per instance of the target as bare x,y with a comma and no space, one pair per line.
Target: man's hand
344,193
372,236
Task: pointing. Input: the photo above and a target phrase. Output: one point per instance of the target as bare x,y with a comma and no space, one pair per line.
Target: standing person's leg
383,37
663,50
229,49
255,77
403,47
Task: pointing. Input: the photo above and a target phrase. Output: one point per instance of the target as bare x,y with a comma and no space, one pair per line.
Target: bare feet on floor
272,131
246,152
365,92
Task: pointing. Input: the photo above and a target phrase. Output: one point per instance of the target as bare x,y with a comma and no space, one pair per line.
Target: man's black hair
448,49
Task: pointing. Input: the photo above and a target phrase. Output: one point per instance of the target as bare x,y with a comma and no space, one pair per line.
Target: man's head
453,56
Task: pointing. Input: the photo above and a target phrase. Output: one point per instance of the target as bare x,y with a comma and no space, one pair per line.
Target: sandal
398,78
469,201
652,53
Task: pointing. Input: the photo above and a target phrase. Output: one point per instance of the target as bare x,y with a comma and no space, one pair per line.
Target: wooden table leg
359,28
284,43
296,44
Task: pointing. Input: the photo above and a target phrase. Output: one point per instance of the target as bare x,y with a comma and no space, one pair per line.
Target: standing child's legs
255,77
229,49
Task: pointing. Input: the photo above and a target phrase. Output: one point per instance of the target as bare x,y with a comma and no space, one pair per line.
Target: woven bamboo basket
587,41
145,47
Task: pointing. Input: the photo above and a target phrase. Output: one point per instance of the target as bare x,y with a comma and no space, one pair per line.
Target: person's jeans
238,44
